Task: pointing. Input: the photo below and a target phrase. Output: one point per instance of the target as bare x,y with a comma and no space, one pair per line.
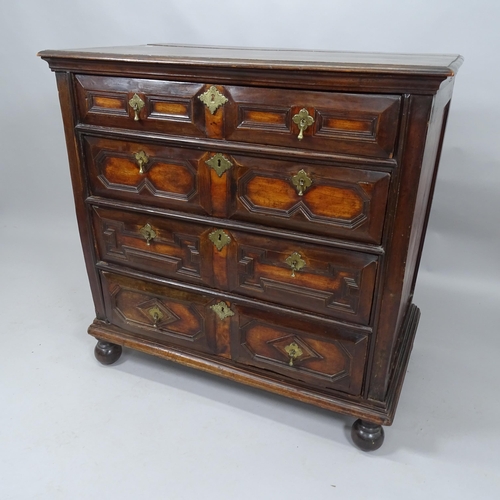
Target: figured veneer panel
170,107
114,104
336,283
326,360
267,118
183,316
358,124
178,250
172,177
161,108
343,202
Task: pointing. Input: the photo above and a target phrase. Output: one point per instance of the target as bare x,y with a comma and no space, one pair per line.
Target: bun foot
367,436
107,353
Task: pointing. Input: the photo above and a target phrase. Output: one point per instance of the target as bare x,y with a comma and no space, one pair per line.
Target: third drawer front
328,281
154,244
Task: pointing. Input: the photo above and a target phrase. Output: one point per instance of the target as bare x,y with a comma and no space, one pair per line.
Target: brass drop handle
142,159
156,318
296,262
301,181
294,351
136,103
304,120
156,314
148,232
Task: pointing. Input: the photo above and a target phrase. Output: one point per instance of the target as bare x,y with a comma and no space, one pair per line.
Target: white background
145,428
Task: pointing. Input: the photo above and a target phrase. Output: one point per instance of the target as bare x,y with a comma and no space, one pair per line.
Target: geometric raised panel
358,124
333,282
282,345
154,308
173,317
169,180
317,360
339,202
169,107
327,201
174,253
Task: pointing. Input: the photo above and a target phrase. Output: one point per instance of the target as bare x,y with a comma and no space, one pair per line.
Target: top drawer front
358,124
170,107
355,124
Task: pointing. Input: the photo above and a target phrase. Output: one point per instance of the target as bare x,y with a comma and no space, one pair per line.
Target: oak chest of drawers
258,214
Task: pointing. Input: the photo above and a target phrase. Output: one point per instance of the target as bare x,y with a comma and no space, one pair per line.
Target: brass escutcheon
222,310
219,163
219,238
148,232
142,159
301,181
303,119
294,351
212,99
156,314
296,262
136,103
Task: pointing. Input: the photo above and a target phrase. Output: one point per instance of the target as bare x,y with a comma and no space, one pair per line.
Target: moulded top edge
444,65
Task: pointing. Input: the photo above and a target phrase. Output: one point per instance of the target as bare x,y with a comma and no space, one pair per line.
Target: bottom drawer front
288,346
159,313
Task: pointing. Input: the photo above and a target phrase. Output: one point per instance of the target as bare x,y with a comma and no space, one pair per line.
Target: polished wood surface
442,64
214,235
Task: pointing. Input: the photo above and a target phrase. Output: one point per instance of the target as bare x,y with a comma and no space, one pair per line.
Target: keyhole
212,98
218,163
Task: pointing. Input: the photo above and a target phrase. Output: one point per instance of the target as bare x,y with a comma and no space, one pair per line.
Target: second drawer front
337,201
328,200
147,173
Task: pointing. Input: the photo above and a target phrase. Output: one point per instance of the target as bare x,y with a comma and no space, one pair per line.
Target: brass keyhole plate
222,310
219,238
219,163
212,99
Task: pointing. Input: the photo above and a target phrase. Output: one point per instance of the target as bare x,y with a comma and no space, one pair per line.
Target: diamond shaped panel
149,307
307,351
